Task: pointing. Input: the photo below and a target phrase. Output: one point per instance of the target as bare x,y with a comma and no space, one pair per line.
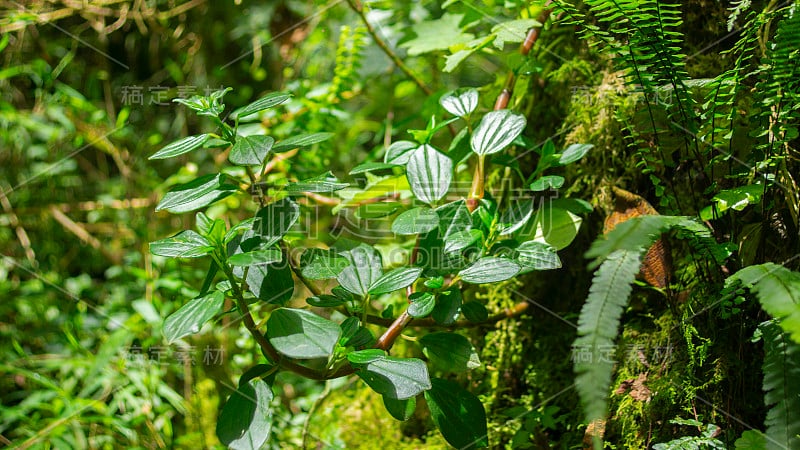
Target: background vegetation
692,107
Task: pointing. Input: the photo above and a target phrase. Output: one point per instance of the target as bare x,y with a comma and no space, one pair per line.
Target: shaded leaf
450,351
301,334
250,150
196,194
458,414
180,147
245,421
191,316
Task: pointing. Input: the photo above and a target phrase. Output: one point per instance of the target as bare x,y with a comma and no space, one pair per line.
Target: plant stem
359,9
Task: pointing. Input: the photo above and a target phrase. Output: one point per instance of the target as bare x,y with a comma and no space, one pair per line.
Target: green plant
619,256
452,247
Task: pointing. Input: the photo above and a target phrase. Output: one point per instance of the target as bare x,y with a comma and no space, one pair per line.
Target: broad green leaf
366,356
354,335
397,378
268,101
262,256
196,194
452,61
489,269
418,220
399,152
461,240
186,244
326,301
180,147
318,264
271,283
250,150
383,187
439,34
429,174
736,199
302,140
365,268
496,131
512,31
301,334
453,218
321,184
460,102
515,217
474,311
421,304
400,409
371,166
450,351
574,153
458,414
245,421
448,306
537,256
555,226
274,220
377,210
191,316
395,279
435,282
547,182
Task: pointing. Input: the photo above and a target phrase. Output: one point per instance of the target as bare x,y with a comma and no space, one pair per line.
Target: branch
359,9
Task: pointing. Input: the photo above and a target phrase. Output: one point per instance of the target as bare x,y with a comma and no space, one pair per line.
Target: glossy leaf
574,153
429,174
302,140
250,150
556,226
301,334
262,256
191,316
496,131
547,182
399,152
365,268
271,283
325,301
421,304
180,147
515,217
415,221
400,409
318,264
460,102
371,167
453,217
538,256
458,414
489,269
395,279
268,101
196,194
274,220
320,184
461,240
186,244
450,351
366,356
245,421
474,311
397,378
448,306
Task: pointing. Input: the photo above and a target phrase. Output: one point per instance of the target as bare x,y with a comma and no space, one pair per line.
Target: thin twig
359,9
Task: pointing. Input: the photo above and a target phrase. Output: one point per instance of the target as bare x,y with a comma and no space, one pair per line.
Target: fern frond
781,387
778,290
619,254
598,327
641,232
